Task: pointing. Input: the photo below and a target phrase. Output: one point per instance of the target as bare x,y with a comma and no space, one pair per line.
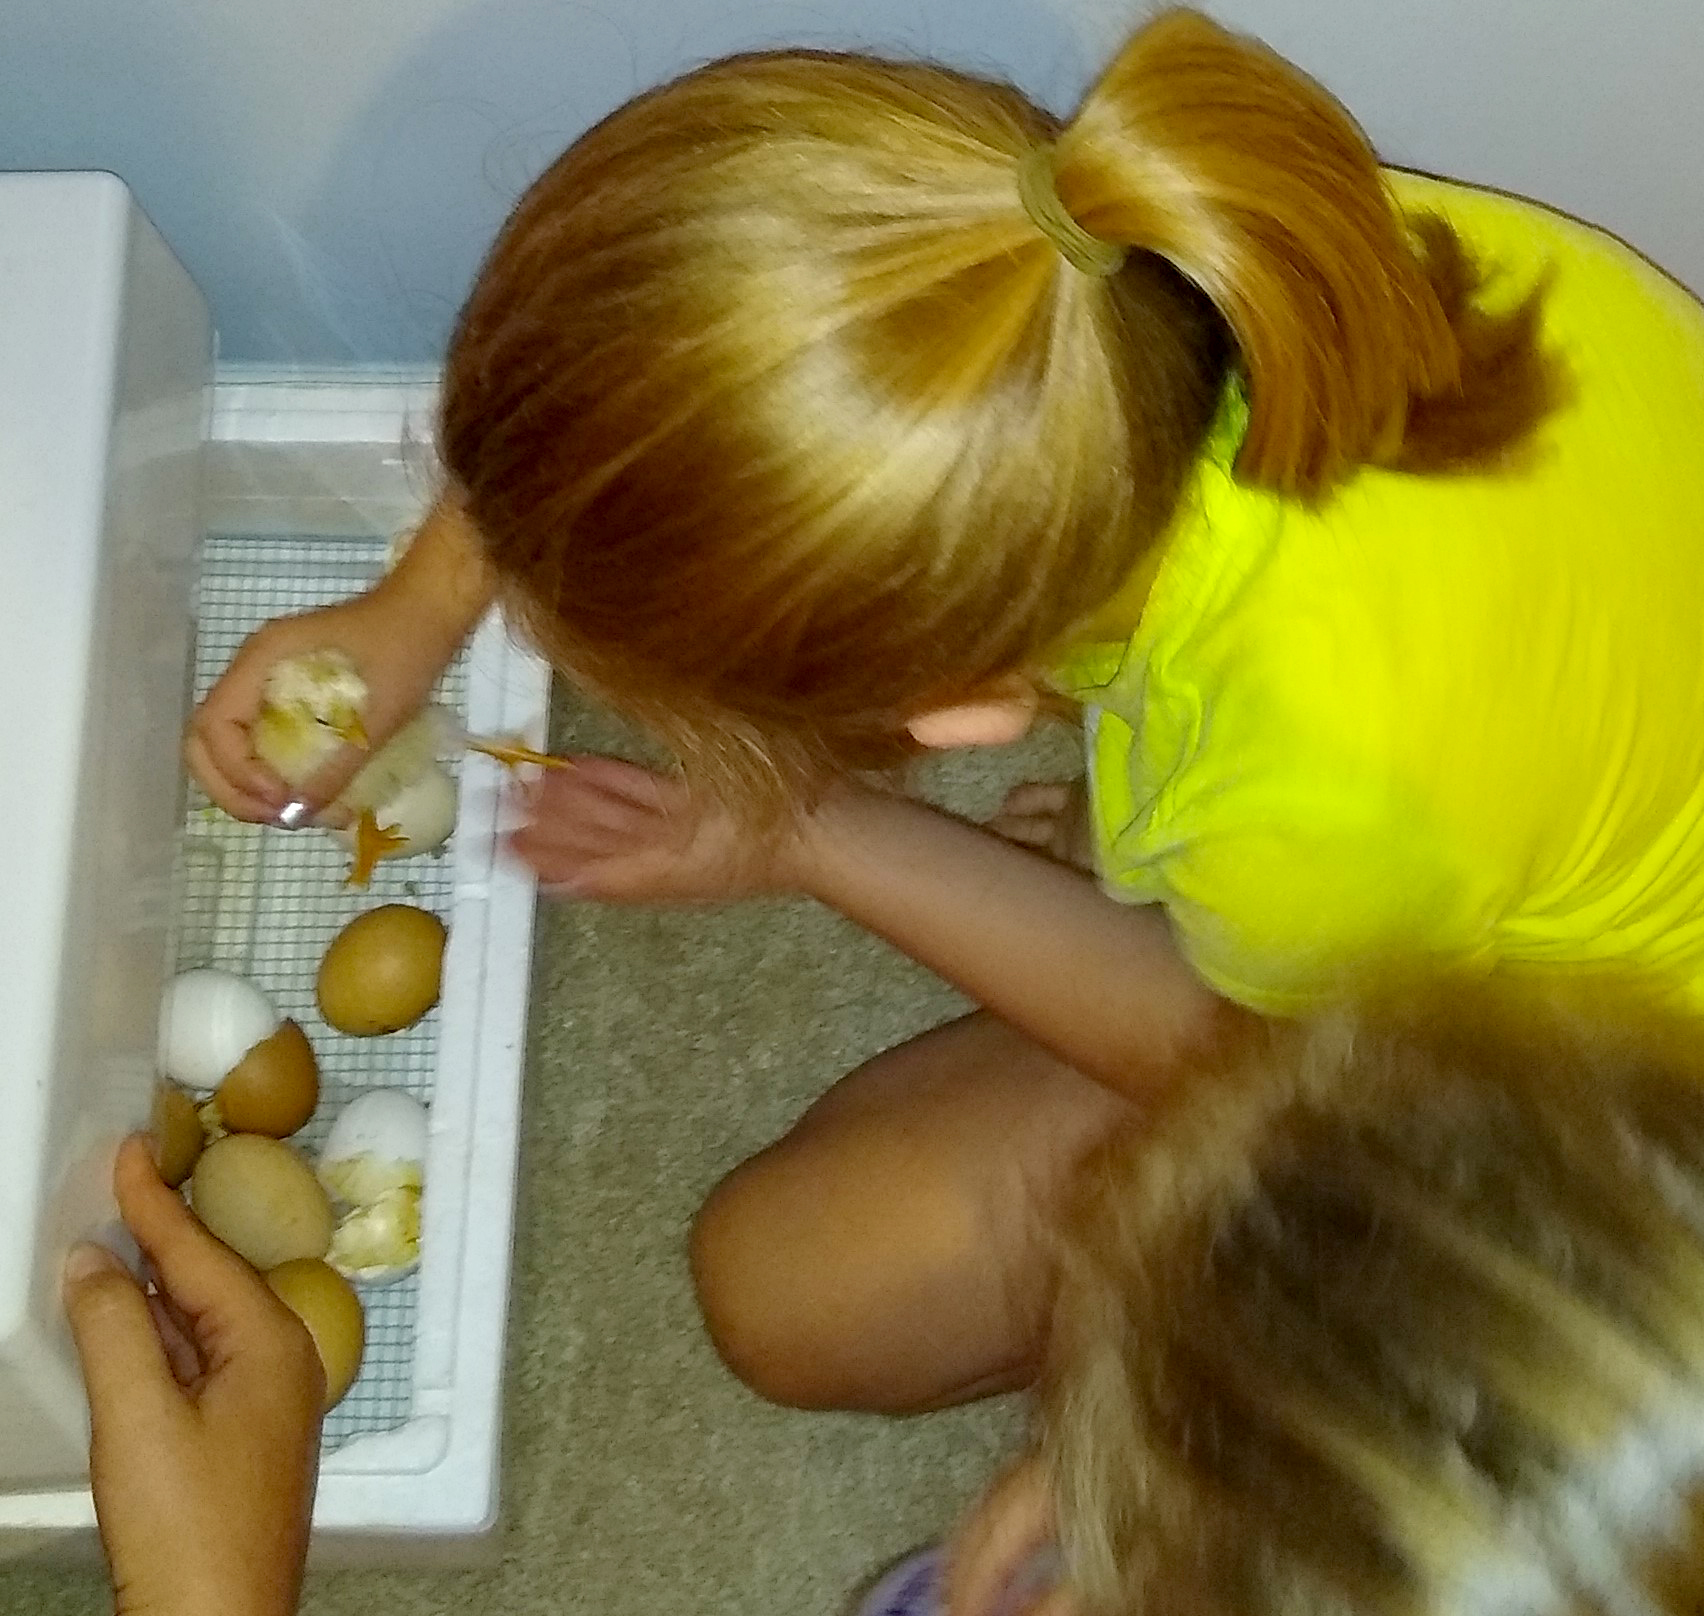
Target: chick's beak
352,730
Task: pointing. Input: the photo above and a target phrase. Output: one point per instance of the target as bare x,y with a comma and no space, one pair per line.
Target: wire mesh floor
265,903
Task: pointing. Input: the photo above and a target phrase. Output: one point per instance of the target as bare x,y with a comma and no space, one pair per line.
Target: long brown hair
782,421
1398,1318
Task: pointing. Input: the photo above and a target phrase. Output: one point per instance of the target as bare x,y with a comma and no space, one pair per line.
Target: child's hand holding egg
258,1195
262,1200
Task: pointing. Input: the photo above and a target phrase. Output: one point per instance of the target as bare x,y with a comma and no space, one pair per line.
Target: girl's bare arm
1100,983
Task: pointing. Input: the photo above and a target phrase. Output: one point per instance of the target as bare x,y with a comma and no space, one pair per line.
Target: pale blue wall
331,169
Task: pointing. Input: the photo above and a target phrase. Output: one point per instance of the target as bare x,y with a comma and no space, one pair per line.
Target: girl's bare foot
1051,817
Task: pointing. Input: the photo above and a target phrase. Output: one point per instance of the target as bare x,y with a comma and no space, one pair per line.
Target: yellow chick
311,708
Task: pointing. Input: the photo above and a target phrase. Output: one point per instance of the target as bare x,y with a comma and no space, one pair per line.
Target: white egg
423,813
209,1020
377,1145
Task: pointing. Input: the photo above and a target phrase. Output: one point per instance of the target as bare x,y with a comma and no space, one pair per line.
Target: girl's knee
797,1271
849,1266
748,1286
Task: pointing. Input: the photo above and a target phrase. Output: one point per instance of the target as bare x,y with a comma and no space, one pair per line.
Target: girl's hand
205,1410
618,833
378,631
992,1557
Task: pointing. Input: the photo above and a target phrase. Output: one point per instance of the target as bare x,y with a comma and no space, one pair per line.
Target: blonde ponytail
782,421
1358,334
796,398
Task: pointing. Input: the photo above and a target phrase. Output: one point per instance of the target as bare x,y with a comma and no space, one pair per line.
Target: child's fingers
593,820
601,831
566,875
247,797
1037,797
631,782
1057,1601
222,721
577,868
125,1368
549,844
599,789
584,810
175,1339
550,866
1012,1521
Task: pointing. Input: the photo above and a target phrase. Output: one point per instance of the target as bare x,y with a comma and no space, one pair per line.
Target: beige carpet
640,1479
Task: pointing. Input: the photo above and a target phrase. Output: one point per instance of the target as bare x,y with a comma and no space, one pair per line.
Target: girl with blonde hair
815,410
1403,1318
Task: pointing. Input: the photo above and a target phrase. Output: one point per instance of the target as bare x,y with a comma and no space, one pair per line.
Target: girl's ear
1002,713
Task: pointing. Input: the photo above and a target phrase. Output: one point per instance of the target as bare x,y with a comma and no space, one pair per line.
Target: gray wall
332,169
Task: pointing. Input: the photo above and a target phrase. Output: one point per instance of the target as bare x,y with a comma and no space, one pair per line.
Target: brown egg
273,1089
383,970
261,1198
176,1131
327,1304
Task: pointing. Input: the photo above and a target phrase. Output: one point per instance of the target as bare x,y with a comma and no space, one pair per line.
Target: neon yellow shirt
1452,720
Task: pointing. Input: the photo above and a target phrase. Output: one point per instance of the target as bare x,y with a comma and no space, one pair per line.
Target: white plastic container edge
334,455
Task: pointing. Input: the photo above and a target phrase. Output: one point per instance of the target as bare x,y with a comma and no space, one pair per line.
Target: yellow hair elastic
1040,197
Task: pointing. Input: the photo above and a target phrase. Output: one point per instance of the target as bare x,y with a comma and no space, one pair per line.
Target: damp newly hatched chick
402,801
310,709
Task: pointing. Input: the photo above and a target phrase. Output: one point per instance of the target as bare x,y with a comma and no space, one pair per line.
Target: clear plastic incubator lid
105,362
